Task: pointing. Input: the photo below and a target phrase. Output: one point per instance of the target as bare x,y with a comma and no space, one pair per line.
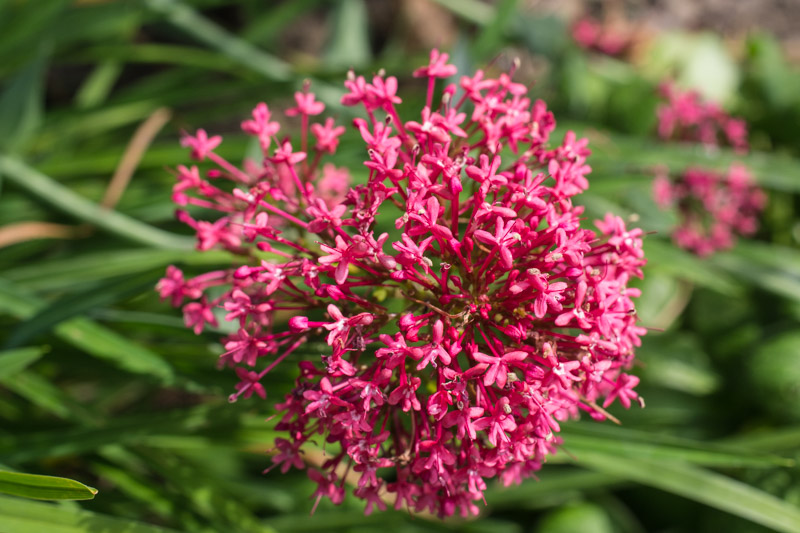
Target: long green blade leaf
44,487
90,336
67,201
14,361
22,516
202,29
76,304
700,485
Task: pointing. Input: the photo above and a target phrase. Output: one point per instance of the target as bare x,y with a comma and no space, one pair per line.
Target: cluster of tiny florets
603,37
713,207
464,309
685,116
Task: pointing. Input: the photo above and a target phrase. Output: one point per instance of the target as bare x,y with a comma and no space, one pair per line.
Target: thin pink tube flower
464,310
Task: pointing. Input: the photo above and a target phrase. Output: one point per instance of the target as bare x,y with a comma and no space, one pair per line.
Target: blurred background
102,383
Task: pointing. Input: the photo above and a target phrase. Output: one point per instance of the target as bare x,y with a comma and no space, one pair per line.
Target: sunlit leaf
698,484
14,361
43,487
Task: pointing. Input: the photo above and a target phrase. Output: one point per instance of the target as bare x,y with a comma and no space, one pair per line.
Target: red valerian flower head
685,116
464,309
712,207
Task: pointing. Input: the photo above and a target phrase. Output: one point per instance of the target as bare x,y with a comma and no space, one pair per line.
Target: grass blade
91,337
67,201
700,485
44,487
22,516
202,29
75,304
14,361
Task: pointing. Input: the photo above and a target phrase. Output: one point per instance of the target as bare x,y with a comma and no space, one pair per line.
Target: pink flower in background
461,308
608,39
713,207
684,116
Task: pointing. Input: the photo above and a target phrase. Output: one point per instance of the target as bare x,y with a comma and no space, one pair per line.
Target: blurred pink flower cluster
608,39
713,206
463,309
684,116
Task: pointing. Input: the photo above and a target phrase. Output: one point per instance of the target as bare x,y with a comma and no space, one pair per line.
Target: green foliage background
101,383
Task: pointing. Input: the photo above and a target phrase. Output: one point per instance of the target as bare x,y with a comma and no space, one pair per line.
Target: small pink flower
327,135
438,67
306,105
249,384
201,144
261,126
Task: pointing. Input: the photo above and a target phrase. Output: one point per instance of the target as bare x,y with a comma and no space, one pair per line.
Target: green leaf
349,47
38,391
186,19
775,371
785,439
15,361
22,516
662,301
677,361
582,516
97,86
770,266
21,105
23,24
490,37
104,343
710,69
555,486
90,336
700,485
44,487
78,303
120,430
66,272
472,10
615,154
65,200
622,442
673,261
771,70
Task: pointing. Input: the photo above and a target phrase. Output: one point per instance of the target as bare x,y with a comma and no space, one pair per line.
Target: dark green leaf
20,516
189,21
21,106
78,303
90,336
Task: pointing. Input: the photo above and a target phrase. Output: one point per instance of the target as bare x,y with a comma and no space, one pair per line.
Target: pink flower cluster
686,117
608,39
464,310
713,207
